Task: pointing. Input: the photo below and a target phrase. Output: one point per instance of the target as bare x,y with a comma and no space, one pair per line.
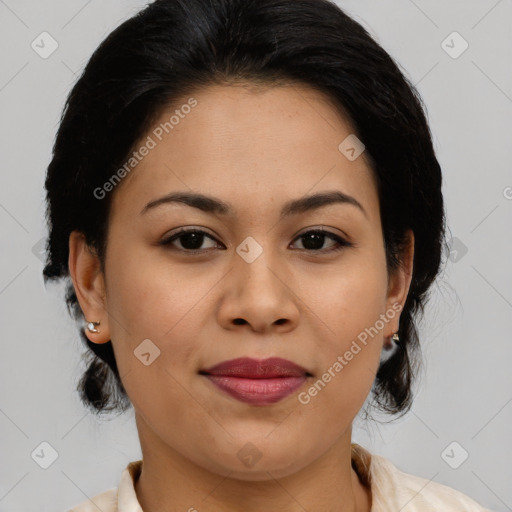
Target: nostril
239,321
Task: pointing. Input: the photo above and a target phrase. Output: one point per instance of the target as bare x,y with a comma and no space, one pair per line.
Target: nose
258,295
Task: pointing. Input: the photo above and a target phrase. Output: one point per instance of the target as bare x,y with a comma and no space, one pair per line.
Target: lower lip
257,391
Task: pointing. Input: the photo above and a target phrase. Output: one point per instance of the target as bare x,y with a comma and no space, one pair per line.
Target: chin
252,464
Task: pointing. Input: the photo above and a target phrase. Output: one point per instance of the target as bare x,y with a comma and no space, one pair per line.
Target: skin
255,148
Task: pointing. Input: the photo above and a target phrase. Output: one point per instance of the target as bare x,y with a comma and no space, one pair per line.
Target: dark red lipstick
257,382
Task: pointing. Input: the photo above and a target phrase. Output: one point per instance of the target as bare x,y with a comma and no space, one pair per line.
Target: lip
249,368
257,382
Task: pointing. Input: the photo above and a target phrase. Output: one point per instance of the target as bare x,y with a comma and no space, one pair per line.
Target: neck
172,482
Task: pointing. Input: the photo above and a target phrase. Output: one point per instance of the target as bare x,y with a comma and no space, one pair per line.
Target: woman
206,151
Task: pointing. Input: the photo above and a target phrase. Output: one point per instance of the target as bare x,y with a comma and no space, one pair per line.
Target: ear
398,286
89,284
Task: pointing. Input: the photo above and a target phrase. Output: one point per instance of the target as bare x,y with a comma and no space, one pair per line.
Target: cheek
152,312
148,300
148,294
349,307
151,298
347,297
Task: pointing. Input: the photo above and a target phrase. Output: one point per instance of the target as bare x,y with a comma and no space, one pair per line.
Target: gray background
464,394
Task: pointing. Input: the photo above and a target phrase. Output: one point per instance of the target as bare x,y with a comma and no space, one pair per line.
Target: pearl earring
91,326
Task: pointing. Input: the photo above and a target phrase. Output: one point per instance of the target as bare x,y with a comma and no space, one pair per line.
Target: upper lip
249,368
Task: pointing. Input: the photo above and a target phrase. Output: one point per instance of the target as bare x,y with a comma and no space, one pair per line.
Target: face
305,286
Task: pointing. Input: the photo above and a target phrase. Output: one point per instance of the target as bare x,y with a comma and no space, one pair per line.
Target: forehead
247,143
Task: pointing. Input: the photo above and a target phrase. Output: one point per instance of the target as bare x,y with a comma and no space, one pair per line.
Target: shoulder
122,498
393,489
105,501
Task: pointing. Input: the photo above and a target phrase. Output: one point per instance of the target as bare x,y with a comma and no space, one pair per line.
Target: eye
314,240
190,240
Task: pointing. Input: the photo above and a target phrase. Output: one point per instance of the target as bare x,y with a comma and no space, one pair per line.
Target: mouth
258,382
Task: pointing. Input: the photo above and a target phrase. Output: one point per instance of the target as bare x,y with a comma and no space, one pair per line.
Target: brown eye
191,240
315,239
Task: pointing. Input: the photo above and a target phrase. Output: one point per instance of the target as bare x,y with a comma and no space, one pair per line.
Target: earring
396,338
91,326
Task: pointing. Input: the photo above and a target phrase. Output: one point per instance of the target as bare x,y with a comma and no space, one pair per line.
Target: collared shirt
392,490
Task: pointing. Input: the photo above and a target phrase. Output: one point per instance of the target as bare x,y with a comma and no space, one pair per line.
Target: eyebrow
217,206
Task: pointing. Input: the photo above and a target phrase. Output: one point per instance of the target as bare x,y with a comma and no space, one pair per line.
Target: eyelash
342,243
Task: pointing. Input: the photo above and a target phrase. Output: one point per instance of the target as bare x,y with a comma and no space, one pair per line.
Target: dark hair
173,47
